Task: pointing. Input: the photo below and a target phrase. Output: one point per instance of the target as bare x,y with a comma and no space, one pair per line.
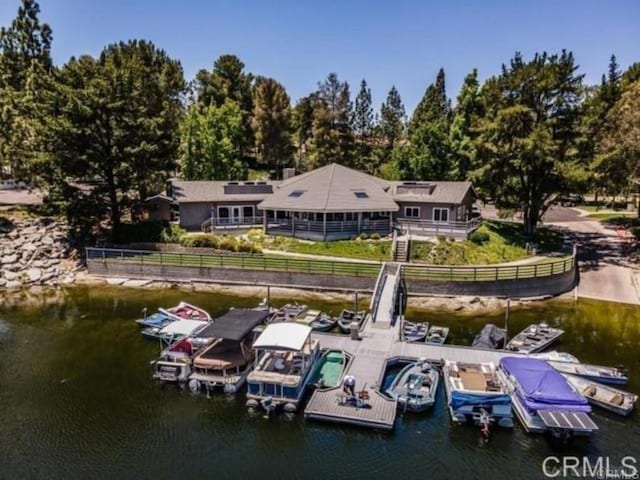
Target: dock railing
231,260
545,268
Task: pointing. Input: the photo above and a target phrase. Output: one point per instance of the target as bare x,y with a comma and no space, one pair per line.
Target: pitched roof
214,191
332,188
431,192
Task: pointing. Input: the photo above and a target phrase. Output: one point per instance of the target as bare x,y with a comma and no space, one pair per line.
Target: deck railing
230,223
544,268
238,261
430,227
347,226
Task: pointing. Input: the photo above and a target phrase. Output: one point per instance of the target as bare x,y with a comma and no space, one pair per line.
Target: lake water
77,401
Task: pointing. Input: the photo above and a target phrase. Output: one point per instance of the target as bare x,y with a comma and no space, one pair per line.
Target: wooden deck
370,354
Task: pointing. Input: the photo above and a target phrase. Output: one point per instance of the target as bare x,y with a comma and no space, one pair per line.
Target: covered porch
323,226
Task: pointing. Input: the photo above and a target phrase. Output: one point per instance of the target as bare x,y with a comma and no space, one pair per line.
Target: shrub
441,238
172,234
147,231
248,247
375,236
363,236
228,243
201,241
479,237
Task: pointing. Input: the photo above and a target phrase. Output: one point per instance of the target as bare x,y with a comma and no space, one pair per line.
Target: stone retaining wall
522,288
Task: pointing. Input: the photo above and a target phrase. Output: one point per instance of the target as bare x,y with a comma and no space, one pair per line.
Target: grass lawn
377,250
617,217
506,243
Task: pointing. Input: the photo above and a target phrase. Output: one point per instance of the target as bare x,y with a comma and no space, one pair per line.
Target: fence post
475,273
201,261
161,262
122,255
286,264
104,259
517,272
535,270
221,261
242,261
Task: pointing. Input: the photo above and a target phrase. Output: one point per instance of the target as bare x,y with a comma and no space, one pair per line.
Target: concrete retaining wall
522,288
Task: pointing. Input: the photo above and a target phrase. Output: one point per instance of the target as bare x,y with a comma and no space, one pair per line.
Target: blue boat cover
540,387
156,320
460,399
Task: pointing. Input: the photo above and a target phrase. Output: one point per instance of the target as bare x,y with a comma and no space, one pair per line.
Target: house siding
426,210
192,215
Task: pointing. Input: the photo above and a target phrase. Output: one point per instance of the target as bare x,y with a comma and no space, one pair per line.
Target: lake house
330,203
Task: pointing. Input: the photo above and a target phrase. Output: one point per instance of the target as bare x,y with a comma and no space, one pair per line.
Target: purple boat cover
540,387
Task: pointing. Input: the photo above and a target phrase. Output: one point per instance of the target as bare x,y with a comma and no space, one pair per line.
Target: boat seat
590,391
617,399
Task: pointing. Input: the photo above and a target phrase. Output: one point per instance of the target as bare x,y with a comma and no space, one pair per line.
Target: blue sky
392,42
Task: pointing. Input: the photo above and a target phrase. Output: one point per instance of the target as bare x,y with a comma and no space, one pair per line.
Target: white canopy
283,336
182,327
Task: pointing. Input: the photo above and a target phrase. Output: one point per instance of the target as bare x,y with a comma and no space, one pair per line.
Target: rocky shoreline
36,252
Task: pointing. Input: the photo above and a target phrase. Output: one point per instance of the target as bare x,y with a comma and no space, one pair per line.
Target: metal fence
239,261
488,273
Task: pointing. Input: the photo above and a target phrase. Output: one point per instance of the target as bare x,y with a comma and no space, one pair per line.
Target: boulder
29,247
10,275
13,284
38,263
46,240
12,267
7,259
34,274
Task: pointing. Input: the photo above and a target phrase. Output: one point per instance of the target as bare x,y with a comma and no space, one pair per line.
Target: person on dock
349,385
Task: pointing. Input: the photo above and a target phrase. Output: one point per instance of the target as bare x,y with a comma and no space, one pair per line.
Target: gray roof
217,191
431,192
332,188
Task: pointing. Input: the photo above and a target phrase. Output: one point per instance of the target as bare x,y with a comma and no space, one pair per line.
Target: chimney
288,173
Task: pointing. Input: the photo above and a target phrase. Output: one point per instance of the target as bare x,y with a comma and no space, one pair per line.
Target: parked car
475,212
570,200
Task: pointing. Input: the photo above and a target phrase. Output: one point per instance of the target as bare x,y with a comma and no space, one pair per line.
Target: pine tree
461,137
332,135
392,119
25,79
434,106
271,124
363,128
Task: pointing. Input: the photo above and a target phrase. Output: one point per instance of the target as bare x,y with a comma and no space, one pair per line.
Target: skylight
361,194
296,193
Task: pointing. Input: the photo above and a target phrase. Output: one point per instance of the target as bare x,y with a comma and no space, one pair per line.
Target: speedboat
543,399
437,335
173,331
555,356
490,337
330,369
285,355
228,357
186,311
604,396
415,386
414,331
534,338
476,395
324,323
174,364
347,317
597,373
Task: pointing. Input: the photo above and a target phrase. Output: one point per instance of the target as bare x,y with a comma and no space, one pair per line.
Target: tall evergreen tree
528,136
363,125
114,120
392,119
429,152
25,80
303,128
468,109
228,81
271,124
332,135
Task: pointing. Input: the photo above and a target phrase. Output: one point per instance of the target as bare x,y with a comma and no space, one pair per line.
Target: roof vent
296,193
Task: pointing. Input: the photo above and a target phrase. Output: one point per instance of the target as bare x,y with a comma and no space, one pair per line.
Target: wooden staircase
401,252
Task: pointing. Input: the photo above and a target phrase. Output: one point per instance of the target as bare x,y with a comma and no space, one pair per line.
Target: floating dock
380,343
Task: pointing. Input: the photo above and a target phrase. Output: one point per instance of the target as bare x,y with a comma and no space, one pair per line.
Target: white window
441,215
412,212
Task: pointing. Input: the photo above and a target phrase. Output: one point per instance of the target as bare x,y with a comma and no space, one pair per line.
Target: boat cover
235,324
490,337
541,387
461,399
156,320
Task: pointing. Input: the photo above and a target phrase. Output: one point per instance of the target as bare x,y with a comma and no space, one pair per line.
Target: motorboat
174,364
330,369
324,323
437,335
415,386
534,338
476,395
288,312
347,317
490,337
228,357
285,356
604,396
186,311
544,401
555,356
598,373
173,331
414,331
157,320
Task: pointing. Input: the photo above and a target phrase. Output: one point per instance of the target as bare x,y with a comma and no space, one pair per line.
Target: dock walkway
370,356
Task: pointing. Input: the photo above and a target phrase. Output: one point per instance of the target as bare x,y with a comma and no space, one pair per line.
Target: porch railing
229,222
348,226
418,226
